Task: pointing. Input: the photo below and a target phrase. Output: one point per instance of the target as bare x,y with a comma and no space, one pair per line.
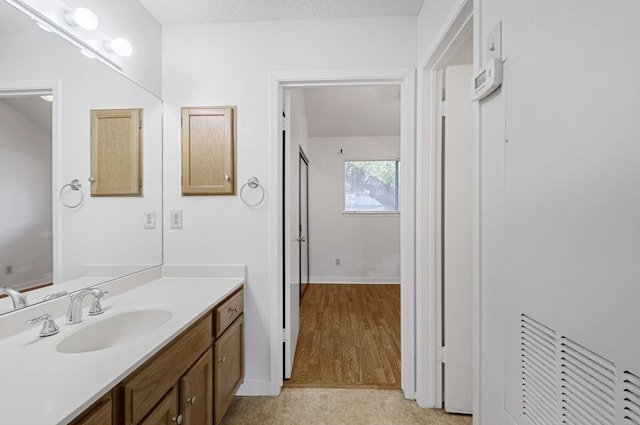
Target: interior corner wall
433,18
231,64
366,245
27,243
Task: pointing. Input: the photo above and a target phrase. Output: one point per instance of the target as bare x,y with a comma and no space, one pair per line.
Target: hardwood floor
349,337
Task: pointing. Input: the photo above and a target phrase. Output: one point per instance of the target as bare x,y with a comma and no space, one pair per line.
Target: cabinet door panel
197,391
228,367
116,159
166,413
208,151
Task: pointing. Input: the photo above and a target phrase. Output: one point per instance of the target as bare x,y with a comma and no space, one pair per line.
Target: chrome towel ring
75,185
252,183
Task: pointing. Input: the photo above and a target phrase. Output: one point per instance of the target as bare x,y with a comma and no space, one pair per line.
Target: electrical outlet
149,219
8,270
337,261
176,219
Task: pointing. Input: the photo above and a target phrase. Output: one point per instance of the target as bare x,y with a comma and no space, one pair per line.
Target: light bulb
119,46
82,17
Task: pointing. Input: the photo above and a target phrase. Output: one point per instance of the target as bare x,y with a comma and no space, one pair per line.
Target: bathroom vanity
168,351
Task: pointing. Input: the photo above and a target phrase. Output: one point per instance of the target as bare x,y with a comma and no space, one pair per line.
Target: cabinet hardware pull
191,400
226,177
177,419
234,310
222,360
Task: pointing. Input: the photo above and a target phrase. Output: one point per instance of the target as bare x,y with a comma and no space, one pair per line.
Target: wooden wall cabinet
192,381
209,151
116,152
98,414
228,349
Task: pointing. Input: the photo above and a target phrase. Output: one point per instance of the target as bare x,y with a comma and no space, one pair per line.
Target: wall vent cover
588,386
631,397
538,351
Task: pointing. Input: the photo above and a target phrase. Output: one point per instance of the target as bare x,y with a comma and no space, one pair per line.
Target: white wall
230,64
434,16
26,241
368,245
559,202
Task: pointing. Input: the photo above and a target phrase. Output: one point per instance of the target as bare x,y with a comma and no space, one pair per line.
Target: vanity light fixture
119,46
79,26
82,17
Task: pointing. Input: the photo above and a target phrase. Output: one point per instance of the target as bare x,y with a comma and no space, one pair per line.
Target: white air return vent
538,350
588,386
631,397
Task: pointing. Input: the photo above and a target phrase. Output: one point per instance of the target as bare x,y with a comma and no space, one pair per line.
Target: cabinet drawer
153,379
229,311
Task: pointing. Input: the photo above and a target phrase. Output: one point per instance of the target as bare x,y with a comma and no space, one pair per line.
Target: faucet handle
96,307
49,326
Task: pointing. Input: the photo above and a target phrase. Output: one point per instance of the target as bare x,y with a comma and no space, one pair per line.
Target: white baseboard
355,280
258,387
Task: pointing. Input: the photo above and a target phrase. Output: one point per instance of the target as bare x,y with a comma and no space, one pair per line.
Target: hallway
349,337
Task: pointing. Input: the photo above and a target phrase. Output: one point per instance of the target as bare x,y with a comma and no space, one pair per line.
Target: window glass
371,186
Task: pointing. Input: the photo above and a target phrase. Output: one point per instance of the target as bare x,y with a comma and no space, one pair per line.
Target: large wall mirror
51,233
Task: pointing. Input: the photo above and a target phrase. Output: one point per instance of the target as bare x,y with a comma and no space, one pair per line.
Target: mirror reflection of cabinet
116,154
208,151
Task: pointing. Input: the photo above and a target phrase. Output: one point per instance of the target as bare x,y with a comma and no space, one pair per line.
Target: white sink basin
112,331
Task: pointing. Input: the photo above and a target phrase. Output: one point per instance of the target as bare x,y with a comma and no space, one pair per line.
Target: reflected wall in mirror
41,239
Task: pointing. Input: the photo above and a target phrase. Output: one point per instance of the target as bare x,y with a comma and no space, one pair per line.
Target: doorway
448,174
26,160
406,228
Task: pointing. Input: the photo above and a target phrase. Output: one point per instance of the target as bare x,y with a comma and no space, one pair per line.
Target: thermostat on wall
488,79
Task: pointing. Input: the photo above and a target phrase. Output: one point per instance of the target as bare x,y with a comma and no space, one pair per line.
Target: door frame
302,157
405,78
53,87
428,206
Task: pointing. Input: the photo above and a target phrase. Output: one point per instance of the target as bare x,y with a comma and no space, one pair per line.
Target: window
371,186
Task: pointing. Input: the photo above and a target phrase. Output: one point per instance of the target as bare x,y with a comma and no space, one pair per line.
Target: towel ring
75,185
252,183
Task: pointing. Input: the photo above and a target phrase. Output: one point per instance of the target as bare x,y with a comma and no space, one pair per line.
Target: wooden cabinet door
116,168
208,151
196,401
166,413
228,367
98,415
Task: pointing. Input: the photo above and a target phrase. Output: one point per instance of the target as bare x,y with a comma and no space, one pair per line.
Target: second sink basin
112,331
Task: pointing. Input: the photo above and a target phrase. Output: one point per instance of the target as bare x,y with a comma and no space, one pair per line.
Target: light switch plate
149,219
176,219
494,43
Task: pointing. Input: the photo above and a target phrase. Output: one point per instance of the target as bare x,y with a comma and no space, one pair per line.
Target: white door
457,201
291,240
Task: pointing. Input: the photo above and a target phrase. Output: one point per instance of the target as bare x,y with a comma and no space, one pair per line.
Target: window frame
395,212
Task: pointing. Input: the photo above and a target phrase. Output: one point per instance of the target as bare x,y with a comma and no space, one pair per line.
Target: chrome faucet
19,299
74,314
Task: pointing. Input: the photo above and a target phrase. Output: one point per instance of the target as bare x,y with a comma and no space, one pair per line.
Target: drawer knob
177,419
222,360
235,309
191,400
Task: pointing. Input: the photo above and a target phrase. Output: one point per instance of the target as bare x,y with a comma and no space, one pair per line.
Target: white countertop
39,386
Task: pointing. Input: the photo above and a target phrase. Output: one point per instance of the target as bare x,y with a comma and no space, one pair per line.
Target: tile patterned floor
316,406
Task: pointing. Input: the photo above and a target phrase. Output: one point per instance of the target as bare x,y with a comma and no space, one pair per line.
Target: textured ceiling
203,11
